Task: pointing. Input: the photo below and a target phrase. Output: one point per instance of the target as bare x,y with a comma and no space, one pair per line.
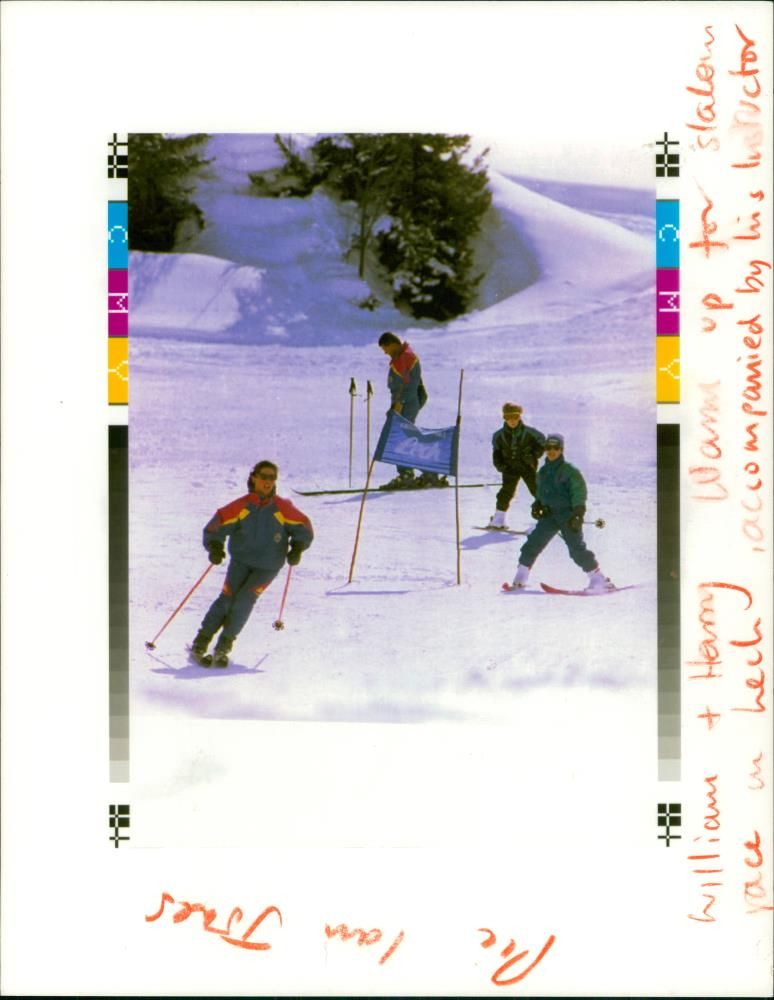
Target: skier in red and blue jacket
407,397
263,530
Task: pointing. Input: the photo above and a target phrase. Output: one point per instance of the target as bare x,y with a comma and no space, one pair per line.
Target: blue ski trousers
231,609
545,530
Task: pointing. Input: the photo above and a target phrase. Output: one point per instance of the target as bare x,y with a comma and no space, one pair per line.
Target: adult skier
516,451
407,397
263,530
559,508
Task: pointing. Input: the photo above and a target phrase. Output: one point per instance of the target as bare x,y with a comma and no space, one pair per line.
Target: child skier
516,450
559,507
259,526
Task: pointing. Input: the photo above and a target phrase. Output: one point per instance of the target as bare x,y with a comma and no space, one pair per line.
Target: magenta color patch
118,303
118,324
118,281
668,301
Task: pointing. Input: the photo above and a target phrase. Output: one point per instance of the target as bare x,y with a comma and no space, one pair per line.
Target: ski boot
432,479
199,648
598,581
520,580
404,480
222,649
497,521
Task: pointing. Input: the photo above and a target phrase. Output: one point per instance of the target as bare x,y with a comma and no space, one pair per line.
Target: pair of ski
397,489
409,486
508,588
499,531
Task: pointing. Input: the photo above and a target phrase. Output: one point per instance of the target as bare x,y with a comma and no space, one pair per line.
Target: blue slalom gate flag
403,443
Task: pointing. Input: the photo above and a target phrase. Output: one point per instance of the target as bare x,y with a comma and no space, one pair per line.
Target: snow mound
200,294
580,262
265,269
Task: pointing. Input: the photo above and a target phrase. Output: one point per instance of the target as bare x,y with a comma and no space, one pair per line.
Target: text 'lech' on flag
403,443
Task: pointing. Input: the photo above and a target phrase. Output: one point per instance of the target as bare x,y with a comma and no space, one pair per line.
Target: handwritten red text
708,864
705,108
747,117
507,953
374,936
755,892
706,479
209,916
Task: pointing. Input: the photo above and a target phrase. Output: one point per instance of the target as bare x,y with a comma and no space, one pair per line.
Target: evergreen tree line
419,200
161,174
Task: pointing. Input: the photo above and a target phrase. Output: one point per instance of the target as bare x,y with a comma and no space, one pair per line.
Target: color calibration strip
668,563
118,270
668,455
118,629
667,272
118,453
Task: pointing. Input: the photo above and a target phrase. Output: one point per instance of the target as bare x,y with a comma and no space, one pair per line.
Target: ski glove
538,510
294,555
576,518
217,552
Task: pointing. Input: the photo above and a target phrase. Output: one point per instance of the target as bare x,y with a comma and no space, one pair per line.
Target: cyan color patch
667,233
118,234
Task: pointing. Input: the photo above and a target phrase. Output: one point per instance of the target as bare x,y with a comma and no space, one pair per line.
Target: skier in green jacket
559,508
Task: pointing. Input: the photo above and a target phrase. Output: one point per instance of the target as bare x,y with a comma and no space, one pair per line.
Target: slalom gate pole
369,393
152,643
457,478
352,394
360,521
278,624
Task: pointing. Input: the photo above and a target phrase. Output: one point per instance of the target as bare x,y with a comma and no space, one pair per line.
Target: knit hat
555,440
511,410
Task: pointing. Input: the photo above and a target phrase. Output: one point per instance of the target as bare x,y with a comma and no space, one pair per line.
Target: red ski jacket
259,530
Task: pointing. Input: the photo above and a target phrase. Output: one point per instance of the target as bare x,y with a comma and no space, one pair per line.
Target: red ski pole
152,643
279,624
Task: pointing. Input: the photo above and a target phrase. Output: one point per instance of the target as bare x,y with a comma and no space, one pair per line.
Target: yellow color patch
667,369
118,370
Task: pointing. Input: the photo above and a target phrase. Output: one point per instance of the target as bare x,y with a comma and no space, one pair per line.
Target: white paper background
583,862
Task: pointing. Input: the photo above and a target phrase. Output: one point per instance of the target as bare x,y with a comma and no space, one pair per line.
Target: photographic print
412,561
259,339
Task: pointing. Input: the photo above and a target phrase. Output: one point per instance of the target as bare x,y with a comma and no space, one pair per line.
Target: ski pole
599,523
152,643
279,624
352,394
360,521
369,393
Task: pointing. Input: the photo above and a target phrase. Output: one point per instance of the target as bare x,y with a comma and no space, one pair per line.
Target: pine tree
426,193
427,250
364,168
161,171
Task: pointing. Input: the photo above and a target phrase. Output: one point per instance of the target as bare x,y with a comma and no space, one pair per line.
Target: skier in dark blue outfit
559,508
516,451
